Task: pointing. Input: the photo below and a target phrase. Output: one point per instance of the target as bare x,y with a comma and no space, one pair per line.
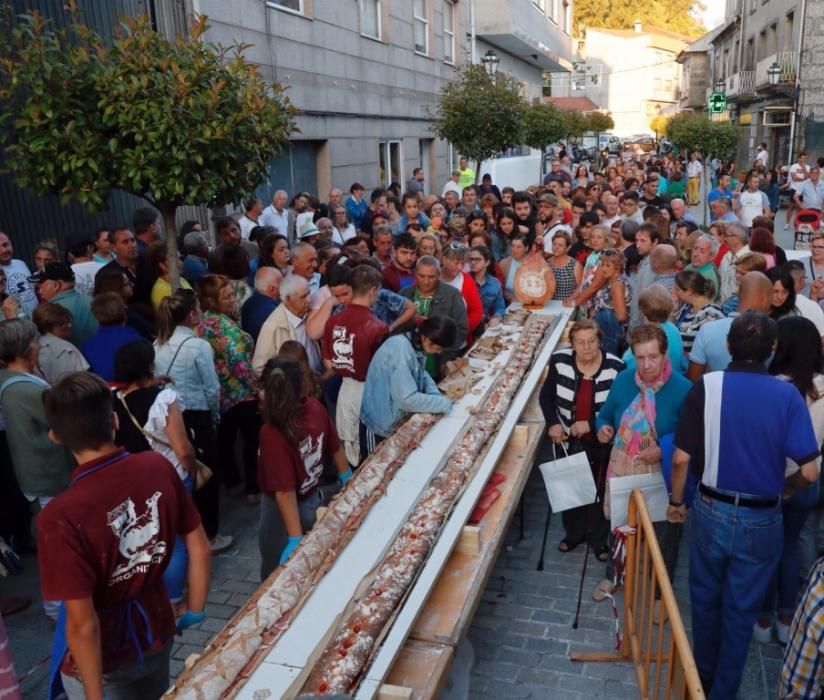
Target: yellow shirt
163,289
467,177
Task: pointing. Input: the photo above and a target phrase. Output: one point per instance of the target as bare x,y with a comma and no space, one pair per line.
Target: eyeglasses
817,247
475,260
456,246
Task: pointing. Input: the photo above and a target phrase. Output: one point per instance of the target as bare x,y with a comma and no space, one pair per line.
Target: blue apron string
59,648
127,631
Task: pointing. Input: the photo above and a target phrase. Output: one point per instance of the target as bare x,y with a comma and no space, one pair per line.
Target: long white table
297,648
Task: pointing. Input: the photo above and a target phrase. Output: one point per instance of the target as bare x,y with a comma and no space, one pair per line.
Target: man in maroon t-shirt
350,340
103,545
400,273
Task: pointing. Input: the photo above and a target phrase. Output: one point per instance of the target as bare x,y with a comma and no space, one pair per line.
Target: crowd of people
269,365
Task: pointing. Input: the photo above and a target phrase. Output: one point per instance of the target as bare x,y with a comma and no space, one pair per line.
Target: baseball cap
456,172
57,271
550,199
309,229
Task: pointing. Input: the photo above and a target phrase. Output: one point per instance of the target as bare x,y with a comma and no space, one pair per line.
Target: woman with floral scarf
642,410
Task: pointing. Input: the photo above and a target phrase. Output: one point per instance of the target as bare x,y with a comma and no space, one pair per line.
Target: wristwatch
676,504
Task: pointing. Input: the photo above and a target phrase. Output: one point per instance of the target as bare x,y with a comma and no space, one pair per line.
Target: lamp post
490,61
720,85
774,73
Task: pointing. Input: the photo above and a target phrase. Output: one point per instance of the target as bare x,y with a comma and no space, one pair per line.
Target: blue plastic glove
343,478
190,618
290,546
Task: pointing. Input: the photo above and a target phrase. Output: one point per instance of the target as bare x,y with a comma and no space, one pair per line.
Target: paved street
521,635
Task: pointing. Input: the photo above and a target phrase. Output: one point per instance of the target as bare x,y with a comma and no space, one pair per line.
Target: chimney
638,26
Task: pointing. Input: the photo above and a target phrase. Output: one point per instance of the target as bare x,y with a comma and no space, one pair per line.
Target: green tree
575,124
543,125
676,15
696,132
480,115
173,122
598,123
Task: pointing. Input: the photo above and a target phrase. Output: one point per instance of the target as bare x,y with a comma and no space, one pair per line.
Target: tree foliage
696,132
544,124
576,124
480,115
676,15
173,122
598,122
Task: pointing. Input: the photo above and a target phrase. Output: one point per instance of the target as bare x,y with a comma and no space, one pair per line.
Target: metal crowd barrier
654,639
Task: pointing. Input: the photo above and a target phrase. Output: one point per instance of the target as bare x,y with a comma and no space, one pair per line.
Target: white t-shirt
694,168
808,309
84,276
763,156
799,173
452,186
18,285
340,237
246,225
752,204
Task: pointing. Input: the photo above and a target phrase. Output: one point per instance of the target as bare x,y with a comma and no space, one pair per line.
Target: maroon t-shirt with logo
109,537
285,467
350,340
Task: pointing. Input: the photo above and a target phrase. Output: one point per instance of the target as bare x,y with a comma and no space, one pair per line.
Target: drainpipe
797,89
472,48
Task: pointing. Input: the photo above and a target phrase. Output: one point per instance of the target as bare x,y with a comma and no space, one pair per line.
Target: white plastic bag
655,494
568,480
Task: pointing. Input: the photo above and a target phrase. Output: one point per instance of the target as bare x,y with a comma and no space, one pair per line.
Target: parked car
614,145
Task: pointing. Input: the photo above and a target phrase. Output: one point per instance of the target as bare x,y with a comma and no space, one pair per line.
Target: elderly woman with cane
576,387
640,413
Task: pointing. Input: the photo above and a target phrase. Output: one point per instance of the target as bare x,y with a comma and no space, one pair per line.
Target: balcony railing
740,84
787,62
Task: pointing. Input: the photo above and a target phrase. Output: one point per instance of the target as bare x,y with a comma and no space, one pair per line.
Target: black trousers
588,522
15,510
242,418
203,436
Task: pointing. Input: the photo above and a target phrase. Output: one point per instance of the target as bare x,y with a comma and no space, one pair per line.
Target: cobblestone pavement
521,634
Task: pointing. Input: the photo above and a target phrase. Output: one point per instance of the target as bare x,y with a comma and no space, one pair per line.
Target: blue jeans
612,330
784,582
734,551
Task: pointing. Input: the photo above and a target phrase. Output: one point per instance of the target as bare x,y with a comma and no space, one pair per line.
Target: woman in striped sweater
576,387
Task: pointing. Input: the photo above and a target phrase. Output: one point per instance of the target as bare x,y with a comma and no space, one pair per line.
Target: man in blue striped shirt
737,430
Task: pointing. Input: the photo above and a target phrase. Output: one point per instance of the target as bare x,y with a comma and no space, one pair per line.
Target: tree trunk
477,170
172,253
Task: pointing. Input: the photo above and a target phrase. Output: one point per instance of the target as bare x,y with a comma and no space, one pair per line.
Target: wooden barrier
654,639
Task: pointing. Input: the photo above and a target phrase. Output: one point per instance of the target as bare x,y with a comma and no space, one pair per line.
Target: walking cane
601,463
546,532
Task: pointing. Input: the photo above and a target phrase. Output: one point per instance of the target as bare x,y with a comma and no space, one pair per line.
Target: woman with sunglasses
342,230
491,291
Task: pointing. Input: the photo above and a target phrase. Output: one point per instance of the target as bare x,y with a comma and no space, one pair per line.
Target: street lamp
774,73
720,85
491,61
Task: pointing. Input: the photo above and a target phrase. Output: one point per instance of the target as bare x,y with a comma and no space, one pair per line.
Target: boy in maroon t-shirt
103,545
350,340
